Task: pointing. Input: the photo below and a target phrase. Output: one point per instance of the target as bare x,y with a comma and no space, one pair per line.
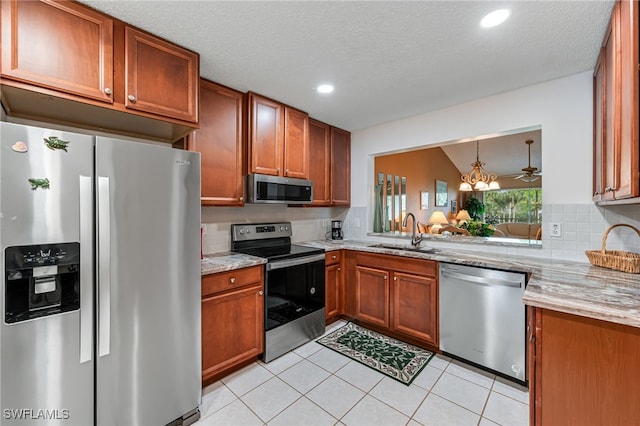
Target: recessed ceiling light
494,18
325,88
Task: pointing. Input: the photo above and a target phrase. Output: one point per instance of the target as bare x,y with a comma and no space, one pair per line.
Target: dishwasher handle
481,280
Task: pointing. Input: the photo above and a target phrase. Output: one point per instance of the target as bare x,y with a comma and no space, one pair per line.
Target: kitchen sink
405,248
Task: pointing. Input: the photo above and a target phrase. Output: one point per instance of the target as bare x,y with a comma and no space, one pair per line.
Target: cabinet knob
107,90
131,98
339,269
334,257
233,280
386,277
595,194
395,278
241,198
286,172
260,293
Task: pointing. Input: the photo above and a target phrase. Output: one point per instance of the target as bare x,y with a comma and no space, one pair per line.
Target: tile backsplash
583,226
307,223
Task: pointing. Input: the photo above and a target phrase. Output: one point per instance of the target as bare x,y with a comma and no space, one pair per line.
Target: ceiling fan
531,174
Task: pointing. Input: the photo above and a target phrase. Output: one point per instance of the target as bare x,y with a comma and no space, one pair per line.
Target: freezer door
148,230
46,361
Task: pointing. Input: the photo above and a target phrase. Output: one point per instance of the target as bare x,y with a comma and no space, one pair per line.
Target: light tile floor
314,385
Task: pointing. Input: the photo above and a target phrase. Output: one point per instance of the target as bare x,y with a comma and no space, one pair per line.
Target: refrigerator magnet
39,183
53,143
19,147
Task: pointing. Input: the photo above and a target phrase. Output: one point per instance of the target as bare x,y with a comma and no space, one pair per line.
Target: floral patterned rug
396,359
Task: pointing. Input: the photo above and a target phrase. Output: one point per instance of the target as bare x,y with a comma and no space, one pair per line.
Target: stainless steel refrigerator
101,280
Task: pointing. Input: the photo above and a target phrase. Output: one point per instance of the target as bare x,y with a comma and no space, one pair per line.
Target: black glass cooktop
272,253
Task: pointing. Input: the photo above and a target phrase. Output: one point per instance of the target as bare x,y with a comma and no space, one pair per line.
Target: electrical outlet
555,230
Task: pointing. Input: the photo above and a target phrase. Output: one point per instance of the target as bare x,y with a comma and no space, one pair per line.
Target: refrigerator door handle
104,267
86,273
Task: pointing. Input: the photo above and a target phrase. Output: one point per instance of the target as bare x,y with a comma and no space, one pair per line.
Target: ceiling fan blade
528,177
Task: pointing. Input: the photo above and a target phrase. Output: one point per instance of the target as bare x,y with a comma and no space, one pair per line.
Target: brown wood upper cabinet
161,78
320,167
340,167
220,141
278,139
58,45
616,144
75,54
330,169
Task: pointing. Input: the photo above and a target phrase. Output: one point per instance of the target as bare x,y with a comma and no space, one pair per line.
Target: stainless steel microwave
278,190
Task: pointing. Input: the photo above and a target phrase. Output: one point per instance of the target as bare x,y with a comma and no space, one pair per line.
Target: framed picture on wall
441,193
424,200
454,207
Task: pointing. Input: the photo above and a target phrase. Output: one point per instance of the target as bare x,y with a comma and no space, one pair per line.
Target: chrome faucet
415,239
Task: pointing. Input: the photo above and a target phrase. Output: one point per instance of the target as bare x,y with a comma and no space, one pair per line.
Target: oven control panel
260,231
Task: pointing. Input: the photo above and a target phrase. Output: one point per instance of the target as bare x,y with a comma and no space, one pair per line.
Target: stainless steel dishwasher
482,318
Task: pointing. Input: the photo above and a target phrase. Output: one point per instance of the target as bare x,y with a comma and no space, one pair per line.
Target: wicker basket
615,259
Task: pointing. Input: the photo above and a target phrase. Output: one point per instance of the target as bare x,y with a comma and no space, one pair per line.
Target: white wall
563,109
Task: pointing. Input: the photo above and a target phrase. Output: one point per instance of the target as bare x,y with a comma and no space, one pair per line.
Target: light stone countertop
565,286
228,261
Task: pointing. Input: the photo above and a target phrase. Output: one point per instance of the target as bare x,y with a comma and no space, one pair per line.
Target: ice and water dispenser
41,280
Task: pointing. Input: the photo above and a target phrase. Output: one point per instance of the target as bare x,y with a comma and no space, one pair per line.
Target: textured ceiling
387,59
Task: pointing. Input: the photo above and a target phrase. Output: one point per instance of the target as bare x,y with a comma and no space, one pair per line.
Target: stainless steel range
294,285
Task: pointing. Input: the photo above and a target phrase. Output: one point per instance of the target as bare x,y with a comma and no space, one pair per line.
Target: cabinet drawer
398,263
332,257
231,279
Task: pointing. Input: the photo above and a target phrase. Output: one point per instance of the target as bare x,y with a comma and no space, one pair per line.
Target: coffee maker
336,229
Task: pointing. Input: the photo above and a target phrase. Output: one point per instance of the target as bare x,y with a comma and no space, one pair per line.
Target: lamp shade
465,186
438,218
463,215
481,186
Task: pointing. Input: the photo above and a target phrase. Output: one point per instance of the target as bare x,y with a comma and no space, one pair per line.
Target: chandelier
478,178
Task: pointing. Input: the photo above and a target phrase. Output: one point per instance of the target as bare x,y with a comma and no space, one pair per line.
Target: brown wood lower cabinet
232,320
372,295
334,279
393,293
585,371
413,309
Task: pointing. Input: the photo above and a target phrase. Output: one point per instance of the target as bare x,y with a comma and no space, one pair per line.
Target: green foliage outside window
513,205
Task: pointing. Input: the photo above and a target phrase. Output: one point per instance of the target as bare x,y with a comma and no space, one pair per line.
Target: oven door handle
279,264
